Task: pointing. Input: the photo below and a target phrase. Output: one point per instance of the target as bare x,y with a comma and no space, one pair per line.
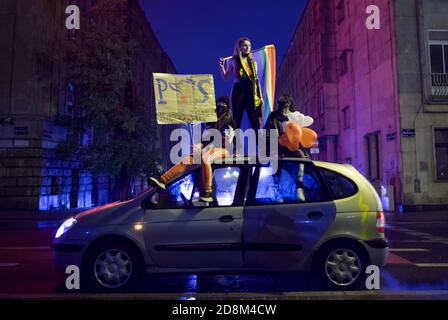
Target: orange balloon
291,137
309,136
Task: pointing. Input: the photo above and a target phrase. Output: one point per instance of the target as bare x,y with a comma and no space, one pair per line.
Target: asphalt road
417,267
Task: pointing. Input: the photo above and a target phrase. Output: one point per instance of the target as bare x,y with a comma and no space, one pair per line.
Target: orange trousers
206,168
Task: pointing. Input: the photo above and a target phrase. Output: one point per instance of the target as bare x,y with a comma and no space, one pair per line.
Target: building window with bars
441,153
438,55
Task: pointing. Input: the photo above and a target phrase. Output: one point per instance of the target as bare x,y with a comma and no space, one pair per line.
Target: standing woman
246,93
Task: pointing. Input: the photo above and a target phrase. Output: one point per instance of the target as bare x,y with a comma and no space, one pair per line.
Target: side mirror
152,201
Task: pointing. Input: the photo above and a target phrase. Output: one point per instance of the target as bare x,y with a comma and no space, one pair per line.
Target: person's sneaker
206,197
300,195
156,182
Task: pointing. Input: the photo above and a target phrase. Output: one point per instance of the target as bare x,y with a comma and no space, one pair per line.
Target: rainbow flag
265,58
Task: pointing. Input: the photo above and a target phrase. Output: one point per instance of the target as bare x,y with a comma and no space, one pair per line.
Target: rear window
340,186
293,182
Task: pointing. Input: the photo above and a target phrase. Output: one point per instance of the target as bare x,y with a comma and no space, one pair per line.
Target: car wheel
113,266
341,266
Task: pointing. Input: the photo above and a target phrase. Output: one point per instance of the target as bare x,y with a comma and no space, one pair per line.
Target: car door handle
226,218
315,215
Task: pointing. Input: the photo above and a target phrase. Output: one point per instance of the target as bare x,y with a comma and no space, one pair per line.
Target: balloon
292,137
309,136
301,119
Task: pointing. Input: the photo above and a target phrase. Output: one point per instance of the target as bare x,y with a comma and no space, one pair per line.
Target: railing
439,82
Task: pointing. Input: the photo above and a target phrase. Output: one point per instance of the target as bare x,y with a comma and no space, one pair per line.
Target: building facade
35,87
379,96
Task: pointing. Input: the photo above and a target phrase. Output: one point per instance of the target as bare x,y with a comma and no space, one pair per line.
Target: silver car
304,216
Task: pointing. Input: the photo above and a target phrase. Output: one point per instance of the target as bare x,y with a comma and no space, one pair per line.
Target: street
417,267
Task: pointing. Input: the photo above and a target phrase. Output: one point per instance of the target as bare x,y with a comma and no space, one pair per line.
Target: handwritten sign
184,98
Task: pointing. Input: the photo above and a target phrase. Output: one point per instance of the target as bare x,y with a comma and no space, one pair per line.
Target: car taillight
380,221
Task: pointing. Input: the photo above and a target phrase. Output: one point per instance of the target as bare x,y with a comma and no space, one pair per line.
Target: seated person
209,153
292,129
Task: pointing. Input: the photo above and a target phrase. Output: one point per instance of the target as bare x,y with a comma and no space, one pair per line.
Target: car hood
119,212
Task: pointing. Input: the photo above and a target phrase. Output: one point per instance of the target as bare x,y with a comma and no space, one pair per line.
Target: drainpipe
418,13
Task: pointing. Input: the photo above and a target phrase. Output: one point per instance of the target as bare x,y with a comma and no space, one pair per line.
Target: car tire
341,265
112,266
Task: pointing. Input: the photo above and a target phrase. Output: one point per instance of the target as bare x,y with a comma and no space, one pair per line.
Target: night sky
195,33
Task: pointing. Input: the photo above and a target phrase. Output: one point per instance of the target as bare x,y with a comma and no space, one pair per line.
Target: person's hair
224,99
285,101
236,49
225,118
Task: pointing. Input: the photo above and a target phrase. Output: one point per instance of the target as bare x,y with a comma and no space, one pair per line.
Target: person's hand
221,63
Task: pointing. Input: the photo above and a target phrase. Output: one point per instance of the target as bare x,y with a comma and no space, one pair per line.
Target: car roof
344,168
264,160
255,160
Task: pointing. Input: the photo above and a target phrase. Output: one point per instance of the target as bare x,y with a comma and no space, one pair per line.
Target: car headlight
67,225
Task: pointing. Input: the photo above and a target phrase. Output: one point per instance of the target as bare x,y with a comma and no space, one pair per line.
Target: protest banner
184,98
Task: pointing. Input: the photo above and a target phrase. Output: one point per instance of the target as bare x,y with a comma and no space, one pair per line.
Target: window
340,186
438,53
343,63
441,153
346,117
372,148
340,11
225,182
438,56
293,182
54,185
177,194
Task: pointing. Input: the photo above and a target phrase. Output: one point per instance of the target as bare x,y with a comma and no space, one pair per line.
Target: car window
179,193
294,182
340,186
225,182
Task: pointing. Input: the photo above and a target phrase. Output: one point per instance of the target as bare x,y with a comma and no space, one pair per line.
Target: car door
287,212
181,232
